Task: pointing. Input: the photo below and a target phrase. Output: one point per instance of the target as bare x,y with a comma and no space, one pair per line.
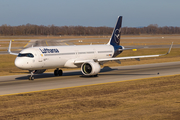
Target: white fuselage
61,56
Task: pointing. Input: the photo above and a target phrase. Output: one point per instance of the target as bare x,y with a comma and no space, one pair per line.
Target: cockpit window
26,55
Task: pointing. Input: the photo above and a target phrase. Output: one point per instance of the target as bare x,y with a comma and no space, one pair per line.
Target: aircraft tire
55,72
31,78
96,75
60,72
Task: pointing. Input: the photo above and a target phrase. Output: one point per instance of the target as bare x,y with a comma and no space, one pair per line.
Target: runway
20,83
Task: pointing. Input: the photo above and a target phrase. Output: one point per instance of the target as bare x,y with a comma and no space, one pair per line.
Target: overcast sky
136,13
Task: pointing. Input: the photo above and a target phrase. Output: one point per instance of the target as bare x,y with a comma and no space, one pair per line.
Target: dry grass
132,42
149,99
7,66
16,43
46,37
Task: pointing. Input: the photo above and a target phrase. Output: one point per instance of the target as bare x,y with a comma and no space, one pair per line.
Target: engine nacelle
38,71
90,68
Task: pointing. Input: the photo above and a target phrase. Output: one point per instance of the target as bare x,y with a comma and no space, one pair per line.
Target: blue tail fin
115,38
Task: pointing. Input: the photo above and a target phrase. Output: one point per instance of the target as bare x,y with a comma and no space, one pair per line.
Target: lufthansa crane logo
117,35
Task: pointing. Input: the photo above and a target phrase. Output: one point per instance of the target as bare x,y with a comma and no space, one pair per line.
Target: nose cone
18,63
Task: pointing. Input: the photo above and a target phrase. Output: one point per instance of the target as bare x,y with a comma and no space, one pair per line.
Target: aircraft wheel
60,72
31,78
96,75
56,72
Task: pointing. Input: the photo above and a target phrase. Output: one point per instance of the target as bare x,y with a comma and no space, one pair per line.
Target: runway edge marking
27,44
86,85
47,43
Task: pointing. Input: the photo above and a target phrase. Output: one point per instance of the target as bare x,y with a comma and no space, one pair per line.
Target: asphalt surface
20,83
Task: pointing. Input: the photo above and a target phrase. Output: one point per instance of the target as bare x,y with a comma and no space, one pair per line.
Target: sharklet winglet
9,49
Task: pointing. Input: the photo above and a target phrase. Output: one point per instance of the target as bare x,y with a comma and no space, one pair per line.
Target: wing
9,50
122,58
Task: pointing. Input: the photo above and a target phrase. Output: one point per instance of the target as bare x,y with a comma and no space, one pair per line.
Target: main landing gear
58,72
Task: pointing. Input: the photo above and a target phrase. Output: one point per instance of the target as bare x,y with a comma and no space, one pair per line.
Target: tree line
29,29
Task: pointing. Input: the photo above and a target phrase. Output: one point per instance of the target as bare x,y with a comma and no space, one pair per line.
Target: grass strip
154,98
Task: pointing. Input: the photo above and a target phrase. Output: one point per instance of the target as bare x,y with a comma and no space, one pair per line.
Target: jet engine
90,68
38,71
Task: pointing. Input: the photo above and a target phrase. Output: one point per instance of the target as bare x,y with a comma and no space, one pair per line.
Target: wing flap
125,58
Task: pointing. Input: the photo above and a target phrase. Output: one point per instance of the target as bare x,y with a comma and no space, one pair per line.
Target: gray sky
135,13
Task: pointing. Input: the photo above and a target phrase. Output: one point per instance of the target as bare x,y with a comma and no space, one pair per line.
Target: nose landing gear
31,77
58,72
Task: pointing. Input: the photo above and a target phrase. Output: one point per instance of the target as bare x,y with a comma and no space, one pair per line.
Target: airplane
87,57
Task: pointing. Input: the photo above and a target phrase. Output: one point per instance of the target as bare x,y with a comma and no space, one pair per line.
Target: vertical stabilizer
115,38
